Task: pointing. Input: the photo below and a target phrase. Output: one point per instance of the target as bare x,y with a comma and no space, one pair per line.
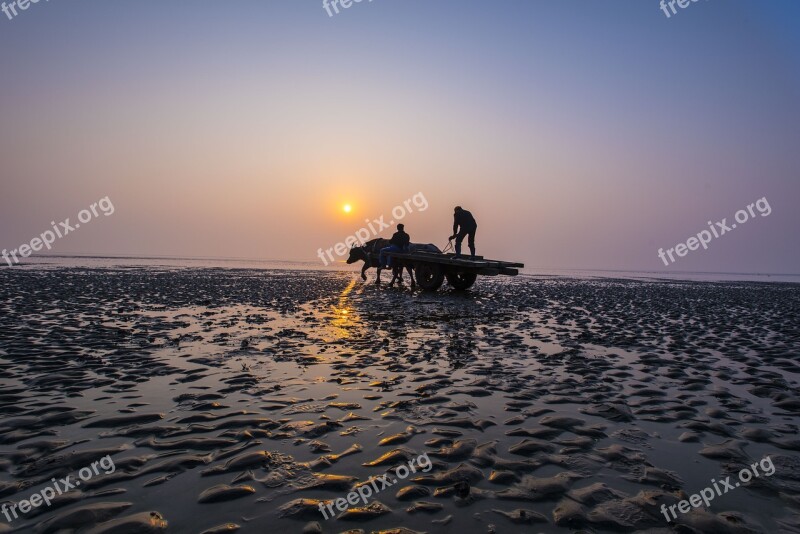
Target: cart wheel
461,280
429,277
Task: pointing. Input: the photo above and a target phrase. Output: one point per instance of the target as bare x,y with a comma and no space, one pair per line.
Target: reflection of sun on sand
343,319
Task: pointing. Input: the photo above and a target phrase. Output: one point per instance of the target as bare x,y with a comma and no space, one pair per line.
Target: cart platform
431,269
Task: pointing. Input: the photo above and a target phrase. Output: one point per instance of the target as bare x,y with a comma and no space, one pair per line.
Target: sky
582,134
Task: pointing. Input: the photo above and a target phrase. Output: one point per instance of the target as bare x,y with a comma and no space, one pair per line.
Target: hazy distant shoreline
96,261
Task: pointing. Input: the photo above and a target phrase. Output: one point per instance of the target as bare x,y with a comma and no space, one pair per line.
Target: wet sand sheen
239,399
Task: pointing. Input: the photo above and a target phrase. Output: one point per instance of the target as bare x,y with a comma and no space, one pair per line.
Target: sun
347,208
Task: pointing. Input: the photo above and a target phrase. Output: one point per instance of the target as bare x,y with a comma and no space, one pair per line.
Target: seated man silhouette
466,222
399,243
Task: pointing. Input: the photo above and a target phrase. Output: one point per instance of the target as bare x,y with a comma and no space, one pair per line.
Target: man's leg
395,248
397,275
459,238
471,241
391,248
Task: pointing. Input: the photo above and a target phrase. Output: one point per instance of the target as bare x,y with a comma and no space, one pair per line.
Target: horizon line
262,260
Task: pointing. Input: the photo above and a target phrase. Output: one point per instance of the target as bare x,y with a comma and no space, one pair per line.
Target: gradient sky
581,133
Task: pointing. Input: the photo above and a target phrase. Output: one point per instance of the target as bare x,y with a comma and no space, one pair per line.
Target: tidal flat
241,399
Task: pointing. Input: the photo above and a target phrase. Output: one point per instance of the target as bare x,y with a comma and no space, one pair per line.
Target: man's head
401,227
458,208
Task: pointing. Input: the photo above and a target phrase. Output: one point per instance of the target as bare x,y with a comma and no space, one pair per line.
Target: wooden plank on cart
478,266
438,258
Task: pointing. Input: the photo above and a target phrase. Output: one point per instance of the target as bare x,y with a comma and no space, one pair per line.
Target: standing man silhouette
464,225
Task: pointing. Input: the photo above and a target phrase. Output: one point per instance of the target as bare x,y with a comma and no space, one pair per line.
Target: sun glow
347,208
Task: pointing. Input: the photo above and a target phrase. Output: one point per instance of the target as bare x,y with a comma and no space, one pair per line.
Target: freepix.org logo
58,487
10,8
64,228
365,491
332,6
708,494
715,230
668,6
376,226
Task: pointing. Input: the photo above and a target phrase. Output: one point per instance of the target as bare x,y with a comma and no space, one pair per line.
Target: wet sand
239,399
